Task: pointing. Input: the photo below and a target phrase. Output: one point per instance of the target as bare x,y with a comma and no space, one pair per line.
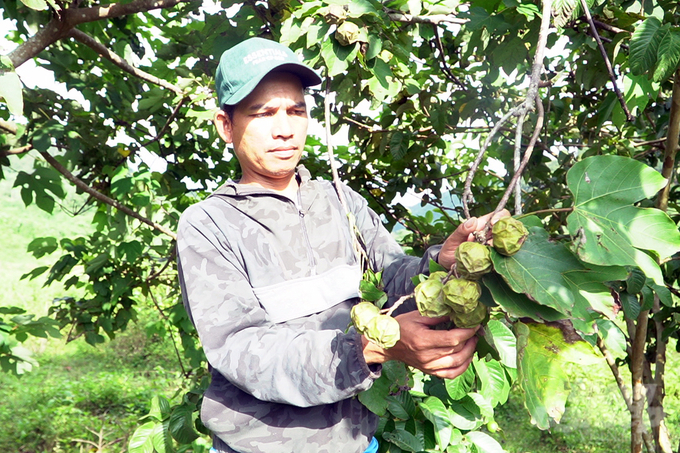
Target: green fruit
493,427
473,260
361,314
383,330
430,298
462,295
470,319
508,236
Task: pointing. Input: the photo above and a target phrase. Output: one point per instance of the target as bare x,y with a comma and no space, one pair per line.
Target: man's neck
287,188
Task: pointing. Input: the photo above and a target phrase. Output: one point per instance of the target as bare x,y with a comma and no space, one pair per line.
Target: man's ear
223,125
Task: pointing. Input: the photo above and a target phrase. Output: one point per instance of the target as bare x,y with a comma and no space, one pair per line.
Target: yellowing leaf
543,354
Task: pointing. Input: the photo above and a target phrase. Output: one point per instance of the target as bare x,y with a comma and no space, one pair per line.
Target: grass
19,225
80,398
79,391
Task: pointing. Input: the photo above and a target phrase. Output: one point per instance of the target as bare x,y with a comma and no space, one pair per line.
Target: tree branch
442,58
9,127
521,111
103,198
611,28
658,141
165,127
22,150
603,52
102,50
637,357
656,388
671,147
59,27
615,371
434,19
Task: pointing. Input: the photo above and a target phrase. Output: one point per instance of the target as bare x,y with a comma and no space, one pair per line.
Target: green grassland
87,399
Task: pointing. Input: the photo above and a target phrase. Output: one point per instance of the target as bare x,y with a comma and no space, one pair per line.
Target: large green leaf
459,387
549,274
607,229
437,413
11,91
142,439
181,424
484,442
644,45
669,55
493,383
543,354
503,340
516,304
562,11
404,440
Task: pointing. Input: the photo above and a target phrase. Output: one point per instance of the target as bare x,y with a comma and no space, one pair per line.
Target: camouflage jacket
269,284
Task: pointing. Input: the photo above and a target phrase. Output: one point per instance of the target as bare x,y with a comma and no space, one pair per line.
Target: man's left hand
465,232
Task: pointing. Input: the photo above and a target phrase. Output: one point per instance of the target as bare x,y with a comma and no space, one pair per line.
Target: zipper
305,234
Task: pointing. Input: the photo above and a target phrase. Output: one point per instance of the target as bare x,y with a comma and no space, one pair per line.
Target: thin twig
359,250
525,160
120,62
396,305
467,191
172,337
15,151
103,198
170,259
610,28
658,141
547,211
625,393
521,111
605,57
171,118
442,58
362,125
517,162
434,19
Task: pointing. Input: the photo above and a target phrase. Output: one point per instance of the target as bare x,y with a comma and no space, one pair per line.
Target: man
269,276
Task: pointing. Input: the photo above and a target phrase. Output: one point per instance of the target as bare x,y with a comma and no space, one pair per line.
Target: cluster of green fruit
443,294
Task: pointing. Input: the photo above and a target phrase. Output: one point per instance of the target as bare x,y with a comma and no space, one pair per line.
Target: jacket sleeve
387,255
285,363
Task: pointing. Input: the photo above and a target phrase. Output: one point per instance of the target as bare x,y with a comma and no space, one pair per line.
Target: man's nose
282,126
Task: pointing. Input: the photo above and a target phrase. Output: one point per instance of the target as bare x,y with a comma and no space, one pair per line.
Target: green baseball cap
243,66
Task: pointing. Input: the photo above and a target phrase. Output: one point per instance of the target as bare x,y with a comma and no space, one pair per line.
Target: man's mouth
284,152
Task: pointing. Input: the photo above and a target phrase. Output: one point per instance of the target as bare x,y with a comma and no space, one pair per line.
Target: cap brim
307,76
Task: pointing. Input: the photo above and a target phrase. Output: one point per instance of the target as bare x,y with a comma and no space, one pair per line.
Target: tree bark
671,143
636,367
60,27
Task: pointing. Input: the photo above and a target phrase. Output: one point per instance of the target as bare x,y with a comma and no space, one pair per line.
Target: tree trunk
637,358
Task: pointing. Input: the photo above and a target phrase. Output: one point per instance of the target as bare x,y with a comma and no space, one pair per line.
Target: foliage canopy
418,88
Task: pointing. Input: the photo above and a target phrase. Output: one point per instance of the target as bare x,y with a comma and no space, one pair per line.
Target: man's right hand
442,353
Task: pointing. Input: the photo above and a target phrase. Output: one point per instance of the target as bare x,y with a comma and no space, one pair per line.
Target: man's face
268,131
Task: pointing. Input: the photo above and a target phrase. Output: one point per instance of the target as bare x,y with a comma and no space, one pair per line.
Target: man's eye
262,114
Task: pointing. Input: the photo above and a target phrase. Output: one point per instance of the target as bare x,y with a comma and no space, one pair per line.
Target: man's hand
442,353
465,232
